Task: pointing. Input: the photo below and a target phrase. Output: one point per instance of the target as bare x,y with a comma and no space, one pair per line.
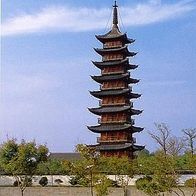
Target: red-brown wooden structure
116,125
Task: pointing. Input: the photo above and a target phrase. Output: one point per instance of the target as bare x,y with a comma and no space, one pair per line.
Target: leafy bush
29,182
113,183
58,181
79,180
142,183
101,187
43,181
147,185
190,182
74,180
15,183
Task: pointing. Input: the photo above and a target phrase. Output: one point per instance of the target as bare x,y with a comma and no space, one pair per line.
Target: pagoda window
113,69
114,100
113,44
109,57
113,84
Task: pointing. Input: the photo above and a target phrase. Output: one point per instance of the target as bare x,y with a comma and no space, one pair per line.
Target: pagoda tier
125,77
112,36
120,147
124,62
116,108
103,110
115,127
122,50
126,92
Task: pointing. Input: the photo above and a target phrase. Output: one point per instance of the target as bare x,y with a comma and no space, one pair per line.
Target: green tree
85,170
102,185
163,175
21,160
122,168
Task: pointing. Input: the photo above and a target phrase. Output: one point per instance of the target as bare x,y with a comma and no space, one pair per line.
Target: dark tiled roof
137,147
106,63
114,34
113,147
119,147
103,93
114,63
65,156
104,78
114,127
123,49
113,109
133,81
109,109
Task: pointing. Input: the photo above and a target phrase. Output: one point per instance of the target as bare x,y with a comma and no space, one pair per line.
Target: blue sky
47,48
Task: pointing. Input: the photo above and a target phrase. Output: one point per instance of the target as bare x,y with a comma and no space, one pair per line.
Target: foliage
21,160
15,183
162,175
166,164
101,187
116,166
143,153
190,183
43,181
58,181
54,167
122,168
147,185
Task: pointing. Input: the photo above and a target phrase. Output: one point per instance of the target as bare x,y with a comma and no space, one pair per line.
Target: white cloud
27,85
69,19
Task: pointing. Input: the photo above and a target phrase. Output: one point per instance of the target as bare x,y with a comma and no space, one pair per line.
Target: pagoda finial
115,14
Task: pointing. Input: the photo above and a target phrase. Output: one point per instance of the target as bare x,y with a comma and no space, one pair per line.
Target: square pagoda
116,125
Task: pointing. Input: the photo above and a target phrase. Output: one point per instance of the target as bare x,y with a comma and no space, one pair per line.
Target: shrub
74,180
58,181
147,185
79,180
29,182
15,183
142,183
113,183
101,187
190,182
43,181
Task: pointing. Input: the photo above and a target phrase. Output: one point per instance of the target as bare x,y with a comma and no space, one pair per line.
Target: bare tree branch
175,145
190,138
162,136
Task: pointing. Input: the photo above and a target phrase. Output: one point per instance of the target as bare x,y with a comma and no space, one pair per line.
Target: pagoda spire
115,14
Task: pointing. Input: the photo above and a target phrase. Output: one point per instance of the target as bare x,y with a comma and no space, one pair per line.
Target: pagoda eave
127,92
110,63
123,50
113,147
104,64
103,78
133,81
124,146
112,37
111,127
114,109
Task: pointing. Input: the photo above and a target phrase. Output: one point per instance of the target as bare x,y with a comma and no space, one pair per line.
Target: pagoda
116,125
